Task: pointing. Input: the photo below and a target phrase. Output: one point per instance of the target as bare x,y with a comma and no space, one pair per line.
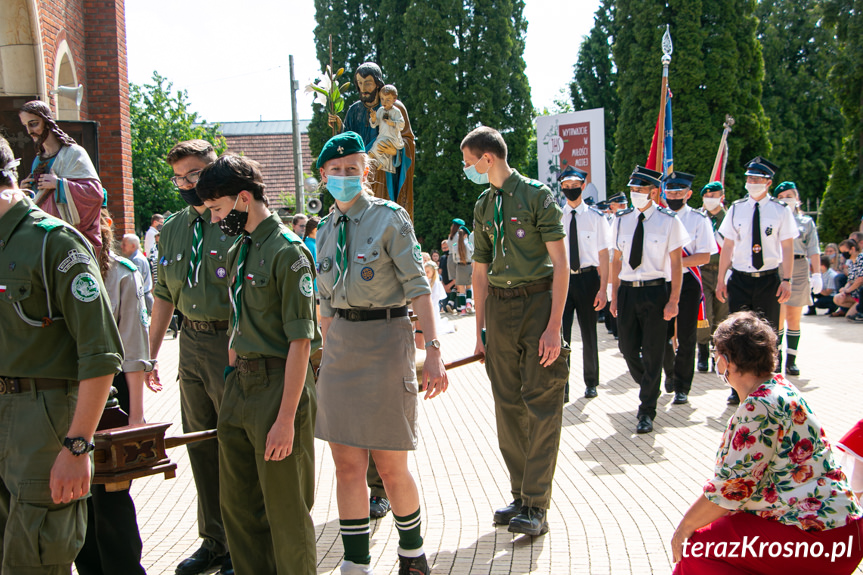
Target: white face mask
639,200
710,204
756,190
792,203
723,377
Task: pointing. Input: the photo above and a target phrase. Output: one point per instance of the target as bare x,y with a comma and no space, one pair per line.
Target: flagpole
667,50
721,152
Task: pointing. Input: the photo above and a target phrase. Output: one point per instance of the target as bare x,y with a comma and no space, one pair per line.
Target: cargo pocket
44,533
411,391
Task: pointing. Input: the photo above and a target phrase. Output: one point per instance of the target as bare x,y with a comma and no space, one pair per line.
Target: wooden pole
729,121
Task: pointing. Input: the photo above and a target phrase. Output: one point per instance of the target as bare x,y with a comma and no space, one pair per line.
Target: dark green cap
712,187
785,186
339,146
458,221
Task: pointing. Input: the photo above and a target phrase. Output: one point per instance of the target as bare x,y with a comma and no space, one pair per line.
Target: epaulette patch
535,183
291,236
778,201
701,212
624,211
740,200
127,263
323,221
392,205
597,210
49,223
666,211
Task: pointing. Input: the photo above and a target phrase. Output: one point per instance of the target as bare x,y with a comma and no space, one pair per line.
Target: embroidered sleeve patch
85,288
74,257
303,262
306,284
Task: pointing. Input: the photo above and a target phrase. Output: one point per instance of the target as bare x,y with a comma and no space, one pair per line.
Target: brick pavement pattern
617,496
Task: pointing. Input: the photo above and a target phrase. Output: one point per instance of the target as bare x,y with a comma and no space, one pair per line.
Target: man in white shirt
759,233
588,237
156,223
648,241
680,365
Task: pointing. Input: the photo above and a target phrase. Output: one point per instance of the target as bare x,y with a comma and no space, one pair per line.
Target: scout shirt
806,244
208,300
777,224
126,293
663,233
384,267
594,233
716,222
276,302
701,239
531,218
80,341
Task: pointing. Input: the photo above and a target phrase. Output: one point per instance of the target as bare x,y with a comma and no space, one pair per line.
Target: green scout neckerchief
237,289
498,222
197,246
341,248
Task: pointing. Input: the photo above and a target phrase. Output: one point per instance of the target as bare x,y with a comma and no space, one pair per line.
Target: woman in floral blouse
777,503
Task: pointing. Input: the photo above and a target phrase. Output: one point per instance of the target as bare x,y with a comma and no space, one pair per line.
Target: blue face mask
475,176
344,188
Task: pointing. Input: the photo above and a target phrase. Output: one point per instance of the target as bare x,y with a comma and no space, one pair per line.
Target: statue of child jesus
390,123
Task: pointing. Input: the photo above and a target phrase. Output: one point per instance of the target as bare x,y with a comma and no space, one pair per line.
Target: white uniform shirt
594,233
777,224
663,233
697,224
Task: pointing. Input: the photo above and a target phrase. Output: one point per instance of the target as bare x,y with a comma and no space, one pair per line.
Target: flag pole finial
667,46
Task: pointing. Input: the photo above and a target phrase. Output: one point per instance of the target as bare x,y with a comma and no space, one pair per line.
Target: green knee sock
793,341
355,538
410,539
779,337
462,300
469,293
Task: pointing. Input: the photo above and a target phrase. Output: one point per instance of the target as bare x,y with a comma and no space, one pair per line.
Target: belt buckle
242,365
353,315
508,293
8,385
637,283
204,326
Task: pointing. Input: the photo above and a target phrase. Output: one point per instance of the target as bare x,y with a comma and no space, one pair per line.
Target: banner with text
574,139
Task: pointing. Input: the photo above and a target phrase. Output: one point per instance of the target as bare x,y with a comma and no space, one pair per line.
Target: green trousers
528,398
203,357
38,535
266,504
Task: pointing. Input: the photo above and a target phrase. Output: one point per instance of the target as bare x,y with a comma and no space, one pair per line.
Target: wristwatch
786,280
433,343
78,445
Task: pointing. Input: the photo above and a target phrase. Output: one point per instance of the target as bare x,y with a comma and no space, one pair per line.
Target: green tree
594,83
842,204
159,119
716,69
806,125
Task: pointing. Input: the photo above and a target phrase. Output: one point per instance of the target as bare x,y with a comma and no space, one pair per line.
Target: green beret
785,186
458,221
712,187
339,146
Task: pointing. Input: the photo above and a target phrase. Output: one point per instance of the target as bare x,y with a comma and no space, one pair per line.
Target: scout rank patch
303,262
418,255
367,273
74,257
547,201
326,264
306,284
221,272
85,288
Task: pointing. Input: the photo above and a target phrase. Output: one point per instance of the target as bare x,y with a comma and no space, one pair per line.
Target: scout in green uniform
371,266
51,298
266,422
713,197
520,284
192,277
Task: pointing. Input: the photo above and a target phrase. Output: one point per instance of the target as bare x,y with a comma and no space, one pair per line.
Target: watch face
79,445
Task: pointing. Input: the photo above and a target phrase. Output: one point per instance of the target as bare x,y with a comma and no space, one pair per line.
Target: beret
712,187
341,145
785,186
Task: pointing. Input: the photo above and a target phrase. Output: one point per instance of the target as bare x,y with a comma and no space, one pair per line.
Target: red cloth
853,440
88,196
735,527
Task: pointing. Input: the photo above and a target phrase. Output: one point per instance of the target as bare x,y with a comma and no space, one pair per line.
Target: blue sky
232,57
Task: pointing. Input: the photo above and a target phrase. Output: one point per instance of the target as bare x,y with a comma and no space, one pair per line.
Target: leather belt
645,283
205,325
261,364
372,314
582,270
521,291
799,257
774,271
22,384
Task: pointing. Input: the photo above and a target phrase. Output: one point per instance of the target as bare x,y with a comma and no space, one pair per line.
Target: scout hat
761,167
642,176
712,187
341,145
571,173
678,181
785,186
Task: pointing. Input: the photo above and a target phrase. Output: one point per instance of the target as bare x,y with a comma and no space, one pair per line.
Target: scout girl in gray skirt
370,266
807,256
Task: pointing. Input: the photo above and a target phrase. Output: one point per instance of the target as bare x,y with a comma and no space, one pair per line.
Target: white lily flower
323,84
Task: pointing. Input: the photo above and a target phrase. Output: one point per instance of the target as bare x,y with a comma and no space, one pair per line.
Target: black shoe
703,357
566,393
811,311
201,560
600,317
227,566
680,398
530,521
413,565
378,506
669,387
791,366
504,515
645,424
590,391
733,399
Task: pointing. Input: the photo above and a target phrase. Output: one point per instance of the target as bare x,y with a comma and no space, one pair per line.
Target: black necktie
637,243
757,255
574,259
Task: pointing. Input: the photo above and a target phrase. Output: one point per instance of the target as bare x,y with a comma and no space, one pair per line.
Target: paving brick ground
617,497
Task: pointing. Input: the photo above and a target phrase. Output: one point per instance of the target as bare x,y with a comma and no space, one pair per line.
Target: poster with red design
574,139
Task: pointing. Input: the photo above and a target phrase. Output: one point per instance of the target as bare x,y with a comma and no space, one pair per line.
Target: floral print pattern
776,462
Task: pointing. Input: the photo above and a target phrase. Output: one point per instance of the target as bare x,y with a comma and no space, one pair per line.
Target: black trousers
579,302
755,294
112,545
610,320
680,367
643,333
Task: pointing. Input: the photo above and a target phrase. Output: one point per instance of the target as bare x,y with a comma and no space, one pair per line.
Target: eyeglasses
191,178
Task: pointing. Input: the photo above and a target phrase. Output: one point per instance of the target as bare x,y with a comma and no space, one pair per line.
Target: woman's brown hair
747,341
